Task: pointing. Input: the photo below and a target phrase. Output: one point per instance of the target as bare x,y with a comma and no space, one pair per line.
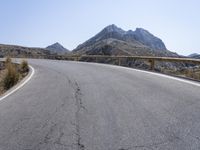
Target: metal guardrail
190,71
150,59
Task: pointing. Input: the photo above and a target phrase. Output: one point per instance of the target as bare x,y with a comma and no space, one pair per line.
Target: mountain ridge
138,42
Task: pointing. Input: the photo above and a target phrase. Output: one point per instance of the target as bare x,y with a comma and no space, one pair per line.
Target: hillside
195,55
17,51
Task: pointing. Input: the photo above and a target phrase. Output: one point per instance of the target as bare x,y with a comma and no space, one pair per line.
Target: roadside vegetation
24,68
11,74
191,73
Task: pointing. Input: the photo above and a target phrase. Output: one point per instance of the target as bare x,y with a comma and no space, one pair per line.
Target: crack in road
59,142
78,145
78,98
49,133
79,105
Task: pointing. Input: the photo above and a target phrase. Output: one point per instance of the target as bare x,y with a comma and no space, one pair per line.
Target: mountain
194,55
198,57
113,40
57,48
17,51
148,39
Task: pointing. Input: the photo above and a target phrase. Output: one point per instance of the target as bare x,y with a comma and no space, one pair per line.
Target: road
87,106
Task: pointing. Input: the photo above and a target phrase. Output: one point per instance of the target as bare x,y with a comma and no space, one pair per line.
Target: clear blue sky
38,23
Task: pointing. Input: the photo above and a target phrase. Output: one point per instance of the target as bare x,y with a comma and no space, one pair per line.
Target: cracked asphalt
87,106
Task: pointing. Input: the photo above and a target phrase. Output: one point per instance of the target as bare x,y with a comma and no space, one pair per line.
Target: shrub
8,60
11,77
24,66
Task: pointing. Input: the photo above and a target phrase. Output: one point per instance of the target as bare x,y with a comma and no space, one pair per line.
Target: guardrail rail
95,58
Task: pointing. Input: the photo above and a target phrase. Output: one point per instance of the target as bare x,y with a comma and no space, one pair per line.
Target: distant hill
57,48
113,40
194,55
21,50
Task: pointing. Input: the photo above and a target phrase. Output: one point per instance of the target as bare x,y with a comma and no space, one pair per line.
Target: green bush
11,77
24,66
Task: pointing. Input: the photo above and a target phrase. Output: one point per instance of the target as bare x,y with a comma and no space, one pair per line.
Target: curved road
86,106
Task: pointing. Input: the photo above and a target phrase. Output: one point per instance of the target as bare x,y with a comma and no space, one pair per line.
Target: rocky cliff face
148,39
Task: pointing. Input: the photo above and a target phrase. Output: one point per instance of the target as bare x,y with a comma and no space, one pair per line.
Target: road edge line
163,75
194,83
19,85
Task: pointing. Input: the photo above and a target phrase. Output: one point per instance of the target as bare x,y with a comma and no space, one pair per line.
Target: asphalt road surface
86,106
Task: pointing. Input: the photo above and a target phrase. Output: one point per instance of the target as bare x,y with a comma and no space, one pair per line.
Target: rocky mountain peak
57,48
113,28
141,30
113,35
57,44
194,55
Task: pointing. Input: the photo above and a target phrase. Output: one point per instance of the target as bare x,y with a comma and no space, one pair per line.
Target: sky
39,23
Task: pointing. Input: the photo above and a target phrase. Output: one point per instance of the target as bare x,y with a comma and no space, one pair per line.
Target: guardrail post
119,61
96,59
152,64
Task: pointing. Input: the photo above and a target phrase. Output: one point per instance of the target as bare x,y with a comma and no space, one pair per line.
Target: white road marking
20,85
143,71
158,74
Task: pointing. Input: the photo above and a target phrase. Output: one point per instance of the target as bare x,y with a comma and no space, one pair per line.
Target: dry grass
8,60
24,67
194,74
187,73
2,75
11,74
